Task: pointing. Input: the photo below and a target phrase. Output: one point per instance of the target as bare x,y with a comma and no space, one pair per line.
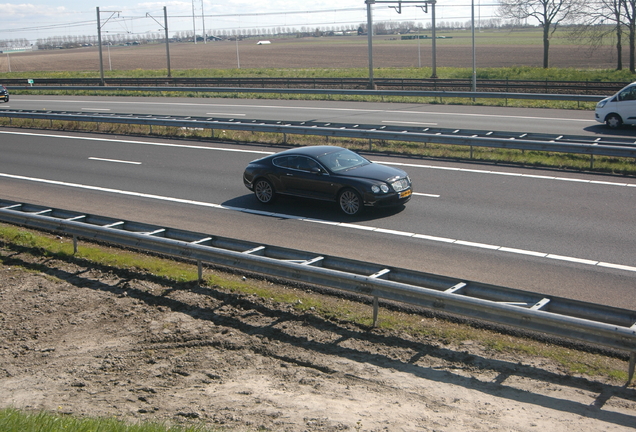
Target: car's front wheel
350,202
613,121
264,191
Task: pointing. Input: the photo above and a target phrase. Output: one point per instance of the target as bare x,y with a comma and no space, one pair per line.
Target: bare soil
90,341
307,53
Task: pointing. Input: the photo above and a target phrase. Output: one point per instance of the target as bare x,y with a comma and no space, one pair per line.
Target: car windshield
342,160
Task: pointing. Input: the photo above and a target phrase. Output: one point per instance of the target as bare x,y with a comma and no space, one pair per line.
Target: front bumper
388,200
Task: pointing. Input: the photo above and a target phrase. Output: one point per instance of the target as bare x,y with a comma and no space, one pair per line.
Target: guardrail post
200,269
632,366
74,245
376,307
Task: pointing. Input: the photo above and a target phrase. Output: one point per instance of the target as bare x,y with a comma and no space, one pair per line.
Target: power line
287,14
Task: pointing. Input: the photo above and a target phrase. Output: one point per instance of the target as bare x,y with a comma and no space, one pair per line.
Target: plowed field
306,53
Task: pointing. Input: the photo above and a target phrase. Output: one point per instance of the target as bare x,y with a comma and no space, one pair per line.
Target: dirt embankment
88,341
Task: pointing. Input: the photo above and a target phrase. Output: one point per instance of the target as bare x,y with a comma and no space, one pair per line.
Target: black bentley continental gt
328,173
4,93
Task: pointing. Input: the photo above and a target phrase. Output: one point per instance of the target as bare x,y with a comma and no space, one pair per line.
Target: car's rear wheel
264,191
350,202
613,121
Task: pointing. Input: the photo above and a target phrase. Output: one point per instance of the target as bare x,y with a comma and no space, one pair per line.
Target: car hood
375,171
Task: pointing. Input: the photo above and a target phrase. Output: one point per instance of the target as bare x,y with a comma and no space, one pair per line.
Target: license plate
406,193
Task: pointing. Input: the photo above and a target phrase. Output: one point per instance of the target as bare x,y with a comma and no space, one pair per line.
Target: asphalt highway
562,234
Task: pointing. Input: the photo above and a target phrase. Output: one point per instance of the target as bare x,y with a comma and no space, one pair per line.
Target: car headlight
400,185
601,104
382,188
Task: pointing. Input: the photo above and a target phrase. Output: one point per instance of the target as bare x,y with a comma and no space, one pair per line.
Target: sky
42,19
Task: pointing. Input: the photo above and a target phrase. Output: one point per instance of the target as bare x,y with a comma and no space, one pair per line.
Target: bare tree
599,24
614,14
549,13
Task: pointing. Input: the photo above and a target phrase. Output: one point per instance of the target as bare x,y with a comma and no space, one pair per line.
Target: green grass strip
13,420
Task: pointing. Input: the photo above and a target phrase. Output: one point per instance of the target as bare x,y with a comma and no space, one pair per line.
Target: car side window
306,164
298,163
284,161
628,94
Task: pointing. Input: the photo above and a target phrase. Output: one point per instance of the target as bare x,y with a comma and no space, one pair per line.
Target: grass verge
513,73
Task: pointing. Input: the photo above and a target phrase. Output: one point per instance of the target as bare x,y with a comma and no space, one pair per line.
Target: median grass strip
339,309
512,73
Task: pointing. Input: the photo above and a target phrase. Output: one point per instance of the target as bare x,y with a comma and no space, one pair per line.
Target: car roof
313,151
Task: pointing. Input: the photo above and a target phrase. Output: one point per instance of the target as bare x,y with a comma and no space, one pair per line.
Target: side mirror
316,170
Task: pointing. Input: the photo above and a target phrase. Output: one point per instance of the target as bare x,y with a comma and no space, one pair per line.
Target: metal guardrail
370,132
565,318
430,84
401,93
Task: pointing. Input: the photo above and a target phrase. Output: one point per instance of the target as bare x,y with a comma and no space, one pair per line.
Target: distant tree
602,23
549,13
629,14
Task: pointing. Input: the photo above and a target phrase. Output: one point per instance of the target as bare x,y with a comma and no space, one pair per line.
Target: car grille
400,185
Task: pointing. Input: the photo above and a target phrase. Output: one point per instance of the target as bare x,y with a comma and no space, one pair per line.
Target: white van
619,109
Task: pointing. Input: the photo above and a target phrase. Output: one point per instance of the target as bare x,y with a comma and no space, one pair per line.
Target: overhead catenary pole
472,14
434,43
370,42
205,38
194,24
165,27
99,42
398,9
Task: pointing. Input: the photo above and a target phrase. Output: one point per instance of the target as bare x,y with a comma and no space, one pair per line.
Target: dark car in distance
328,173
4,93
